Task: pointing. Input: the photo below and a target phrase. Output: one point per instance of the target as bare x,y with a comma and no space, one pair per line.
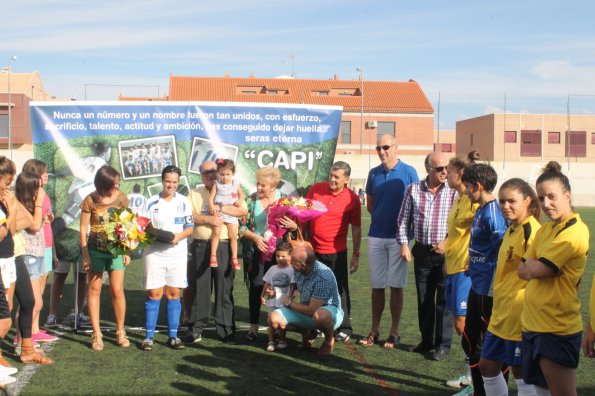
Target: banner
140,138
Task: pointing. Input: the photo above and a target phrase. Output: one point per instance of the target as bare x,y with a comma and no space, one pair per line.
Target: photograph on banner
143,158
209,150
183,187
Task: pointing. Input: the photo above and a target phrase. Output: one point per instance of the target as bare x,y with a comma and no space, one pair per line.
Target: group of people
26,258
147,160
483,264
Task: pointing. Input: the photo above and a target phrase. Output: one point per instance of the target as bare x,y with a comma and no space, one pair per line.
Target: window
471,140
446,147
385,128
249,92
553,137
345,132
530,143
592,137
509,136
3,125
576,146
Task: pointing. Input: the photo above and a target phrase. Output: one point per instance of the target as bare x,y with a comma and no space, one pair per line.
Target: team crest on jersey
463,305
517,352
509,253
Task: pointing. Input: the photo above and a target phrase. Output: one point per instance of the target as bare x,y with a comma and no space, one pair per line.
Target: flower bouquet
302,210
127,232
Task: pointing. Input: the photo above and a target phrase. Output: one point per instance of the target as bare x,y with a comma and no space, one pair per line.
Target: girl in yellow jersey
502,342
554,265
456,250
589,338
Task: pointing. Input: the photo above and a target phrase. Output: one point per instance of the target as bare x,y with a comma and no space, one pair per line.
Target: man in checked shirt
423,215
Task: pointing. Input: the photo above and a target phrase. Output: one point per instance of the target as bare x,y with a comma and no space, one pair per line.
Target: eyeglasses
385,147
208,172
439,168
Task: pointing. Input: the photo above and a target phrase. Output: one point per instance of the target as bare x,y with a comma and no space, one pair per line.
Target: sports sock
151,314
174,309
495,386
539,391
524,388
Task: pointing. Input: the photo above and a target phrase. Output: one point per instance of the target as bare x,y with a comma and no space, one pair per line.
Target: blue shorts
562,350
48,259
457,290
306,322
35,267
500,350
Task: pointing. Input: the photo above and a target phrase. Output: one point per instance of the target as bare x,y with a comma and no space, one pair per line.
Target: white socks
524,388
495,386
539,391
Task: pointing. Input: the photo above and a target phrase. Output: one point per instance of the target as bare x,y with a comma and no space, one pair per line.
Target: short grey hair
342,165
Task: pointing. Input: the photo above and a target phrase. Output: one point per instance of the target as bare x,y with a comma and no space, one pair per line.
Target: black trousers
256,271
203,279
24,293
337,262
435,320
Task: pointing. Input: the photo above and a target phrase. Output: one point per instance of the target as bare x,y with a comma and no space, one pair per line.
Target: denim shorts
35,266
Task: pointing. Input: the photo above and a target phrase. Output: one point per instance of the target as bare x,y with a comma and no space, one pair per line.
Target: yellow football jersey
460,217
509,289
592,305
551,304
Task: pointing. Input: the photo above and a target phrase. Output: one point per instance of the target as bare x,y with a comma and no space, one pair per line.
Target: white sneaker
468,391
7,380
8,370
461,382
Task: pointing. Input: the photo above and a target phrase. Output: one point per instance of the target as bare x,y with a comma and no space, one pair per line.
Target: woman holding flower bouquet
252,231
96,209
164,262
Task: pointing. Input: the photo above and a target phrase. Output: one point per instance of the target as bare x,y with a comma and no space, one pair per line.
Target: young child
487,231
279,278
226,191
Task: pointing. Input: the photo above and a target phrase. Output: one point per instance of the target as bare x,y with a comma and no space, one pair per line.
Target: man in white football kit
164,264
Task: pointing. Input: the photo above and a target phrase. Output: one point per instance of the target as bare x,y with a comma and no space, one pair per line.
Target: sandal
392,342
309,339
123,341
30,356
213,263
235,263
369,340
326,349
97,342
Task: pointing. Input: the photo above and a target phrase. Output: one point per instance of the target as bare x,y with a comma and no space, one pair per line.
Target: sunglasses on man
385,147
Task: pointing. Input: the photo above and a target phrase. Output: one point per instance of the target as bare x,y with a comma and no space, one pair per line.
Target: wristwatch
288,303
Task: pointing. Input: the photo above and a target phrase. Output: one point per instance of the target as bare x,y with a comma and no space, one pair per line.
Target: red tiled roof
379,96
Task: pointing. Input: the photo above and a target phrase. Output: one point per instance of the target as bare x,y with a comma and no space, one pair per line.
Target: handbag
299,239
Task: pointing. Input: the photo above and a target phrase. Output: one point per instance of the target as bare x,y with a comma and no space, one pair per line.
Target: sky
470,57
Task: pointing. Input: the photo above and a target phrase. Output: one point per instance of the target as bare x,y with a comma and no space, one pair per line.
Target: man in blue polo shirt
385,190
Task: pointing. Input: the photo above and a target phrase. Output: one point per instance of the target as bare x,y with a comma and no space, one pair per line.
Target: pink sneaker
42,336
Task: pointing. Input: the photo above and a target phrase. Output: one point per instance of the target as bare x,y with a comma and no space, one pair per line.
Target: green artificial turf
213,367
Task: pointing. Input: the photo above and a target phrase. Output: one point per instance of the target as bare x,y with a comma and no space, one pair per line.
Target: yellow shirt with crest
460,217
509,289
551,304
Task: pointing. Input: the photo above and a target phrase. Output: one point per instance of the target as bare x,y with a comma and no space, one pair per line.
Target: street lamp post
12,58
361,121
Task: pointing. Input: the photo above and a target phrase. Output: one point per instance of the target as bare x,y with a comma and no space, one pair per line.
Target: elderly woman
252,230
